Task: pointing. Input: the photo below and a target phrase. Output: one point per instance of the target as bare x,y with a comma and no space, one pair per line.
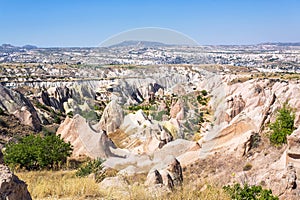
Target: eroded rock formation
177,110
112,118
169,177
85,140
235,105
293,150
175,171
15,103
154,178
56,96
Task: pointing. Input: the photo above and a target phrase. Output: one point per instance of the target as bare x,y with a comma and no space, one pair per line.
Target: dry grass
52,185
59,185
187,192
205,192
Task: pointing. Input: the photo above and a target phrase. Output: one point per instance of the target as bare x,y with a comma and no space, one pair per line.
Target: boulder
167,179
175,171
11,187
153,178
165,137
158,185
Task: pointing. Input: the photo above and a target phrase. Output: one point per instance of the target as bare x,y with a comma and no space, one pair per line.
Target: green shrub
283,126
204,92
93,166
201,118
36,152
202,100
247,167
237,192
57,119
97,107
70,114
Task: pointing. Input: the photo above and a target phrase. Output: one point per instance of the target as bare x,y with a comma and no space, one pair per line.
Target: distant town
274,57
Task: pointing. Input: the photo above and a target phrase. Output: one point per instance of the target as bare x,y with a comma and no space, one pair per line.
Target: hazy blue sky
89,22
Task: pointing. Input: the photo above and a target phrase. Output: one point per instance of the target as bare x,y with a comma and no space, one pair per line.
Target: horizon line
199,45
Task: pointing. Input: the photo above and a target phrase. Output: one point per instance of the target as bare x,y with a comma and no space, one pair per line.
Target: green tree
36,152
237,192
283,126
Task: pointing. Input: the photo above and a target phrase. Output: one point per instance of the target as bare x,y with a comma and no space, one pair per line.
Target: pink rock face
236,106
111,119
27,118
177,110
86,141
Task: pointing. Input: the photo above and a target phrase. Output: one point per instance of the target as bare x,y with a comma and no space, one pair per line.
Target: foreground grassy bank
59,185
65,185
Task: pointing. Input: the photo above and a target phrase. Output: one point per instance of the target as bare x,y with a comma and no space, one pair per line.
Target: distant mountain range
9,46
139,43
282,43
129,43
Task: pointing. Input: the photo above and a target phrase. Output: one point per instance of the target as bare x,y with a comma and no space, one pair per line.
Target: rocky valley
172,125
